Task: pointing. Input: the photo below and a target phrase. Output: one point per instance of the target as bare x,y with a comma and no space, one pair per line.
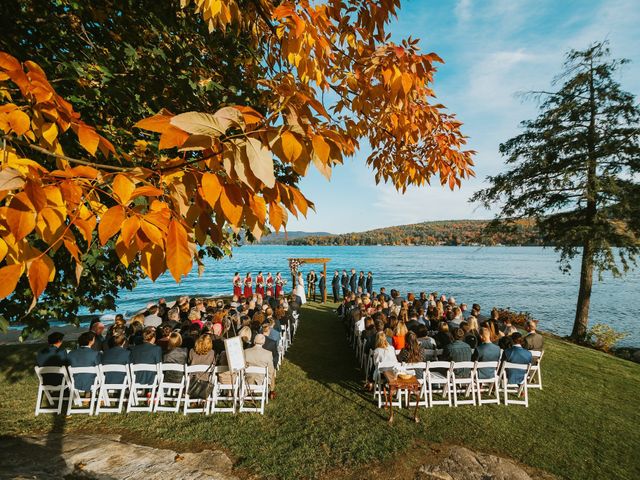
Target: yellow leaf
321,148
152,232
110,223
179,259
276,216
126,254
49,132
3,249
407,82
88,138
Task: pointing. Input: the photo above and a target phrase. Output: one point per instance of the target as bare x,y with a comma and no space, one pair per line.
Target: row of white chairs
443,383
164,394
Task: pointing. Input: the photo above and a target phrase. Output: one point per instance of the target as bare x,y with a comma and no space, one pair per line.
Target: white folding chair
378,383
463,384
517,389
142,395
201,404
254,393
52,393
490,385
170,391
535,374
76,401
438,378
224,396
112,392
419,369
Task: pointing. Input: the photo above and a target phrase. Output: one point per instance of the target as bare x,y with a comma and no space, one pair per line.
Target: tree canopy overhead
314,80
575,170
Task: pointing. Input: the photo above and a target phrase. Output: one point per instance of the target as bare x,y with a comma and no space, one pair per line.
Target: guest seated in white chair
116,354
146,353
257,356
52,356
84,356
517,354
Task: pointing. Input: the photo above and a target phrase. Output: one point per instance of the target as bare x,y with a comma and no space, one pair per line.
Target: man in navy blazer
116,354
146,352
517,354
84,356
52,356
353,281
486,352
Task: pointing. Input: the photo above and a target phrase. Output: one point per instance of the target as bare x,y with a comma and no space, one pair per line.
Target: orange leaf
126,254
86,227
258,207
172,137
179,258
36,194
321,148
123,187
110,223
9,276
211,188
158,123
231,211
147,191
152,232
39,273
21,216
276,216
19,122
88,138
152,261
129,228
291,146
299,200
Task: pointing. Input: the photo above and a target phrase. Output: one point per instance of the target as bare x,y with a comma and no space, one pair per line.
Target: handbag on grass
200,388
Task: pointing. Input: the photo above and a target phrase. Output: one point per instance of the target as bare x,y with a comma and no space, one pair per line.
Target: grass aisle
583,425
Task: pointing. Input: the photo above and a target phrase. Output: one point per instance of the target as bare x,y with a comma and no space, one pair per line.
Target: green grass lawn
584,424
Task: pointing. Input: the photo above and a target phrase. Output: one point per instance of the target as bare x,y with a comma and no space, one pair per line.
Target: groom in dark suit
323,286
353,281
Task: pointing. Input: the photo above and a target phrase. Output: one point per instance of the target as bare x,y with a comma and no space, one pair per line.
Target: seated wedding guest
383,353
425,341
52,356
270,344
84,356
257,356
118,323
533,340
218,341
116,354
486,352
465,310
174,354
173,318
194,317
459,351
163,333
413,323
507,327
246,334
399,335
203,354
152,319
146,352
97,327
517,354
412,352
134,332
505,343
443,337
470,337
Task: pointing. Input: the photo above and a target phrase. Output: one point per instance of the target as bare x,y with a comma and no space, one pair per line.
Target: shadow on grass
322,351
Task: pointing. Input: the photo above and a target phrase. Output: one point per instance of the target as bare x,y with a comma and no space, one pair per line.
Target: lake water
522,278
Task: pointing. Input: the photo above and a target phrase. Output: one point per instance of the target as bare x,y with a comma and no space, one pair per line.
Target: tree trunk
584,295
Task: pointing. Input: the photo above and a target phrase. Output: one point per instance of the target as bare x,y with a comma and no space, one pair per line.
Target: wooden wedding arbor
294,263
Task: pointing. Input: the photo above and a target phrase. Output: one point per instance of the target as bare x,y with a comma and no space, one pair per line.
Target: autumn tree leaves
332,80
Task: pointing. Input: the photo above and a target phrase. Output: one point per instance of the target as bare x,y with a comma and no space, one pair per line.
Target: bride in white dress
299,291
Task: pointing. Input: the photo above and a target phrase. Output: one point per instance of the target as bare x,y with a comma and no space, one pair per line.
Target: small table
395,383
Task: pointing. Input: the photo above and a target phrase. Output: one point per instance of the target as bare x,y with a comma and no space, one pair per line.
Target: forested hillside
450,232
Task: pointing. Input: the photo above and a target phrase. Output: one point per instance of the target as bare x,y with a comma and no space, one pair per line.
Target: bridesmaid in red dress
269,285
248,292
237,285
260,284
279,284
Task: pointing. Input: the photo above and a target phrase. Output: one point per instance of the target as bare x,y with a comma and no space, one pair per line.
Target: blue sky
492,49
